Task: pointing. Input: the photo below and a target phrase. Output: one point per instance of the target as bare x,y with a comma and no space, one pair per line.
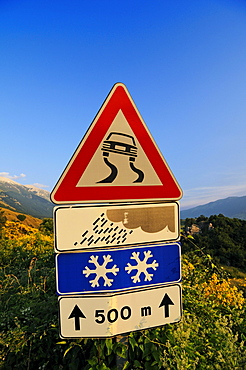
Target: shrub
211,334
21,217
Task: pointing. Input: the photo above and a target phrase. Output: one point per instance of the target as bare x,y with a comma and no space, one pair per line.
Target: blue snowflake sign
108,270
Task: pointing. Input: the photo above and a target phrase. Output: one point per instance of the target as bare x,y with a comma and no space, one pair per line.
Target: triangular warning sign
117,160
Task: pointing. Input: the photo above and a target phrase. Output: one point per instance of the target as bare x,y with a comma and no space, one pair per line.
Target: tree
201,218
21,217
225,240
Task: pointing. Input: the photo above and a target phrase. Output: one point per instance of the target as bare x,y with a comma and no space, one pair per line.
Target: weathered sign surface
82,227
108,315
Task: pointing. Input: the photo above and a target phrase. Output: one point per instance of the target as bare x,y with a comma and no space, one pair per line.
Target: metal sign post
117,229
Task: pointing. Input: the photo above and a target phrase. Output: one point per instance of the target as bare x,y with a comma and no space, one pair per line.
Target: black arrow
166,301
76,314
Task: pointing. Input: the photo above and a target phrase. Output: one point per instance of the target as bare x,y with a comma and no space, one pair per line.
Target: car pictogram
120,143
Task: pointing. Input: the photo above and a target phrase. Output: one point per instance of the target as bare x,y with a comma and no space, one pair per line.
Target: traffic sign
117,269
83,227
108,315
117,160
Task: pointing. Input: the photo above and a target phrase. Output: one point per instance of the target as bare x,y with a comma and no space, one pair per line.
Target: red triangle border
66,192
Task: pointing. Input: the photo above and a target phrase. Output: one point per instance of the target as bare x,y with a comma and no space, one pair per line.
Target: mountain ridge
28,199
31,200
233,207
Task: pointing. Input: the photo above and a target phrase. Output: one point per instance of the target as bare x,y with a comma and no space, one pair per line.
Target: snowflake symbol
101,270
142,266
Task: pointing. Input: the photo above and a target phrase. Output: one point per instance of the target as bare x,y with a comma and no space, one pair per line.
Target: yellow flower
27,237
14,230
223,292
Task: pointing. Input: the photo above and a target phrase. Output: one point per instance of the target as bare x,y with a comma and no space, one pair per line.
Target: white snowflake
101,270
142,266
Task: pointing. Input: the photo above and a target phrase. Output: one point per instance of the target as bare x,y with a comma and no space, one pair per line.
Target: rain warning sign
81,227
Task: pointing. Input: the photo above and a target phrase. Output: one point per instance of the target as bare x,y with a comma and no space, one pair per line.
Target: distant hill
28,200
233,207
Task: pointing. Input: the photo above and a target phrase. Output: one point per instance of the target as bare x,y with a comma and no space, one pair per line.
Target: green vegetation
211,334
21,217
46,226
3,220
222,237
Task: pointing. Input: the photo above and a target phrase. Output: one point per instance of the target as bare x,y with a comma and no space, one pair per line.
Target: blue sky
183,62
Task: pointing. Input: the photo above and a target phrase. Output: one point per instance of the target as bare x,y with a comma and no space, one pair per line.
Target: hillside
24,199
28,221
233,207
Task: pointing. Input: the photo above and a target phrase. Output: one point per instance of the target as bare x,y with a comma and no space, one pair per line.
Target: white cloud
198,196
14,177
22,176
37,185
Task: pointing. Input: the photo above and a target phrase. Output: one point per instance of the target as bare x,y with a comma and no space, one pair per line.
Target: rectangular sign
117,269
108,315
81,227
